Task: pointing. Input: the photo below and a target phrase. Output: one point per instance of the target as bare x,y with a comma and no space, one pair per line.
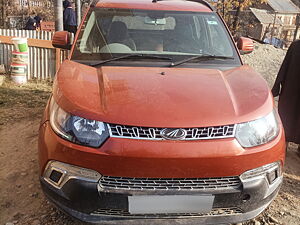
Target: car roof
172,5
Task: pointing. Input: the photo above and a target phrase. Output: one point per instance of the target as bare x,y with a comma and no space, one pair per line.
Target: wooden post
57,58
223,9
267,29
297,26
4,3
236,18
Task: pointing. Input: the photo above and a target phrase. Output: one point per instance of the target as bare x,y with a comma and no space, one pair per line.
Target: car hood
162,97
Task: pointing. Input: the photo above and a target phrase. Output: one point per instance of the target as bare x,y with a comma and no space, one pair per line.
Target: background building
276,20
286,12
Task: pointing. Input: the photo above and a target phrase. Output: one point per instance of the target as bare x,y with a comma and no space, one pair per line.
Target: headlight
258,132
77,129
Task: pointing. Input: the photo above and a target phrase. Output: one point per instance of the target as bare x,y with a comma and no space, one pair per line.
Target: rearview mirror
245,45
61,39
155,21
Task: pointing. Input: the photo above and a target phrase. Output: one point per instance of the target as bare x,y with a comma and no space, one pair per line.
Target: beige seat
118,33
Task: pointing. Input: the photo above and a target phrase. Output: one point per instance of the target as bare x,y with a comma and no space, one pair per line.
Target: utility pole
58,11
273,29
78,11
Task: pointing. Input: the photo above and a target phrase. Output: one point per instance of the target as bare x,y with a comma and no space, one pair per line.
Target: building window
287,20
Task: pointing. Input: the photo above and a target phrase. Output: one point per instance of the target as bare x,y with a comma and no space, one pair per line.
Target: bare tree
232,9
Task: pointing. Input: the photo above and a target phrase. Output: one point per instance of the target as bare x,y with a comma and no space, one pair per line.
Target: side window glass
83,42
90,42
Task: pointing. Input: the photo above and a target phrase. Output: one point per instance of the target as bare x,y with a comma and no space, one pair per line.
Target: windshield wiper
199,57
145,56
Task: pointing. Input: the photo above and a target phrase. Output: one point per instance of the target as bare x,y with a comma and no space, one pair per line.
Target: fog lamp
58,174
270,171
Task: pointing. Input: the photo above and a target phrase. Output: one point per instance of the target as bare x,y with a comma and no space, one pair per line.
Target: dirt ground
21,199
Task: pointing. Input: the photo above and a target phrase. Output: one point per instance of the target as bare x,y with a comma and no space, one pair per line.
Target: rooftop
265,16
283,6
172,5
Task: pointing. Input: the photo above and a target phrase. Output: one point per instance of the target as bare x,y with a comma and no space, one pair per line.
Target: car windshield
109,33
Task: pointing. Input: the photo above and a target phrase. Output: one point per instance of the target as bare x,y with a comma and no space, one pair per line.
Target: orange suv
154,116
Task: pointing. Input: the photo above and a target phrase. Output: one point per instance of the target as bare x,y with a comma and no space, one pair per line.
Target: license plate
156,204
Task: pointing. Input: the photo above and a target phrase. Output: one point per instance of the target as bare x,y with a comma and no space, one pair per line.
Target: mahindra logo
173,134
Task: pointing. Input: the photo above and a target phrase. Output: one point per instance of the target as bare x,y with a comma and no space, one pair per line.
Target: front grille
151,133
125,213
125,183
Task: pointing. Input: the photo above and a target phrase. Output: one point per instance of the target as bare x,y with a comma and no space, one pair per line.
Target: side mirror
61,39
245,45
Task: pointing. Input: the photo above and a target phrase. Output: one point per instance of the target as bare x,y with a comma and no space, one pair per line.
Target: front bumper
84,200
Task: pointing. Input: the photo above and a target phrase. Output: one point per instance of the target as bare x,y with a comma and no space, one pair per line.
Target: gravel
266,60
